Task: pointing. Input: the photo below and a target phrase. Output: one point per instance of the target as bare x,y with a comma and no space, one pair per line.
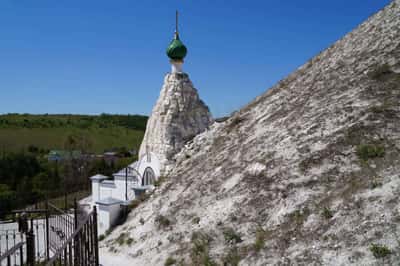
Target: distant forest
27,176
67,120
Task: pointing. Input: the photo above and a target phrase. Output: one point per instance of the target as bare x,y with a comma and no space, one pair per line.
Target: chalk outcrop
306,174
177,117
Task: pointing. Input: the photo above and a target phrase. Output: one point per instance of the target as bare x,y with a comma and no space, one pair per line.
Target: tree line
68,120
28,177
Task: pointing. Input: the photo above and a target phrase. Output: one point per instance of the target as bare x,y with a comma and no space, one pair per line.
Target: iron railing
59,237
19,248
81,247
13,255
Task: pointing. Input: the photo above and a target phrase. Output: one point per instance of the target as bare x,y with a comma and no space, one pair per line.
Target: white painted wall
95,190
106,191
96,183
176,66
107,217
102,189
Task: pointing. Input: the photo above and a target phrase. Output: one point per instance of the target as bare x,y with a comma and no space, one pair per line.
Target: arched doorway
148,177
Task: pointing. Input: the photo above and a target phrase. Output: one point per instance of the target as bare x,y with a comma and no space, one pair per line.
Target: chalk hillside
306,174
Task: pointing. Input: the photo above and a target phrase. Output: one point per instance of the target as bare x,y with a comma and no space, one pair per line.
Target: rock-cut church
178,115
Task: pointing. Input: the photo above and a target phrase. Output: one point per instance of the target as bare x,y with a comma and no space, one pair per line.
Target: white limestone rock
177,117
281,160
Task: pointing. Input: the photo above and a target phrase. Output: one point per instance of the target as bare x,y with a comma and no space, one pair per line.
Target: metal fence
81,247
58,237
21,248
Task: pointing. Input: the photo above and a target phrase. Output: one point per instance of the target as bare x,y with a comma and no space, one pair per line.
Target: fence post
76,238
96,240
47,231
75,214
21,255
30,247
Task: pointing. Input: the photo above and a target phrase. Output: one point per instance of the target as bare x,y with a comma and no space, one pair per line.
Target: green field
104,132
18,139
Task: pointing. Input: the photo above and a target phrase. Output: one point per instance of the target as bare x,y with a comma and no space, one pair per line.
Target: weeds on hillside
260,239
380,72
123,239
232,258
327,213
170,261
200,249
380,251
231,236
369,151
162,221
196,220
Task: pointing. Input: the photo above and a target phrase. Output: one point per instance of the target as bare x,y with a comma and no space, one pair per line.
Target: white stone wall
107,217
107,191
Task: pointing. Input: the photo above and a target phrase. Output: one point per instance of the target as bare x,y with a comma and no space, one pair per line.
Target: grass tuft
380,251
260,239
170,261
200,249
231,236
162,221
233,257
380,72
196,220
369,151
121,239
327,213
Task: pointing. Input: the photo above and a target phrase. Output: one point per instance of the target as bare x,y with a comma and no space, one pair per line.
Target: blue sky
90,57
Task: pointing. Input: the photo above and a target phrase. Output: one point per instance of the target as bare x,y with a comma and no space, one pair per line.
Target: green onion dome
176,49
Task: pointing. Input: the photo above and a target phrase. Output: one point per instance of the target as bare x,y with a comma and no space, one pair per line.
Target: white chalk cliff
308,173
177,117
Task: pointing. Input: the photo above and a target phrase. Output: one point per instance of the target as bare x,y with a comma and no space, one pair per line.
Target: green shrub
196,220
170,261
380,72
260,239
375,184
121,239
368,151
129,241
162,221
380,251
235,123
200,249
231,236
327,213
299,216
101,237
200,241
232,258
